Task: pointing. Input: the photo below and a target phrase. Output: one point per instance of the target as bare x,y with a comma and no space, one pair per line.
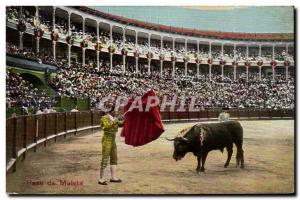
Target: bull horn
169,139
184,138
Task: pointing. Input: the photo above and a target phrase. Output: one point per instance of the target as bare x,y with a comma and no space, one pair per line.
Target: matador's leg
113,154
106,150
113,164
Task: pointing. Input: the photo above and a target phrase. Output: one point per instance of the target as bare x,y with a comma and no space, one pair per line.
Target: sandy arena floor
150,169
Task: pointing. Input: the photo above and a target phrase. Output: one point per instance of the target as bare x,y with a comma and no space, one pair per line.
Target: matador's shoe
102,182
116,181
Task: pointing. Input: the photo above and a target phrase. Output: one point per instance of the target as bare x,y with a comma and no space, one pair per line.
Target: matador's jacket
109,126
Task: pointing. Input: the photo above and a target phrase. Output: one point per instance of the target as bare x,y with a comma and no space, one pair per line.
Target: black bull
203,138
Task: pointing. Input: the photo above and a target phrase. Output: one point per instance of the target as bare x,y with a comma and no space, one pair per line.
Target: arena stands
79,81
21,93
93,72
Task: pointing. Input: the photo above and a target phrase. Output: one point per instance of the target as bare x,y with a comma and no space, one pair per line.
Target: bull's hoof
202,170
226,165
242,166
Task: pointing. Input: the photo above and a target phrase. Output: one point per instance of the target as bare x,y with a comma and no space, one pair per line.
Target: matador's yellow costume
109,126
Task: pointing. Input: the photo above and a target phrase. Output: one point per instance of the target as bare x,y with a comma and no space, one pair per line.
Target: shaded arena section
150,169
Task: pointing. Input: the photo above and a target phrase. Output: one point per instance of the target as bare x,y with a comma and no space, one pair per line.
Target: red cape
142,127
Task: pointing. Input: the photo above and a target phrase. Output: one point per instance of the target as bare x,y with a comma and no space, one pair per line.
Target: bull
203,138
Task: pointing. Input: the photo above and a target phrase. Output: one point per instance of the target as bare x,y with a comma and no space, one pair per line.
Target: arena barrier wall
26,133
238,114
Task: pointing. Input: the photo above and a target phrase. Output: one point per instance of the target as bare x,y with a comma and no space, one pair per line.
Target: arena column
21,40
273,72
83,37
111,61
198,68
69,54
247,73
98,31
173,45
37,44
21,32
98,64
259,72
54,27
161,66
149,66
149,41
136,64
210,65
54,49
287,72
173,68
124,63
136,38
83,56
98,52
37,26
222,71
259,50
185,68
234,72
69,33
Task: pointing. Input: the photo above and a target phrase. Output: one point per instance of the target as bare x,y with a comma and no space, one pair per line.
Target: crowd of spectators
43,57
22,93
90,82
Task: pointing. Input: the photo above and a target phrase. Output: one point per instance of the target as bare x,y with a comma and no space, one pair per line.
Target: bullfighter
109,124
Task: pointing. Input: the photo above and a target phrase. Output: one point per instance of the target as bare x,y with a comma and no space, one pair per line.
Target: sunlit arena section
204,64
269,166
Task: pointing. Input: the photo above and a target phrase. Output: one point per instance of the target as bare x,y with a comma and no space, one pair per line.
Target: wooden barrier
234,114
27,132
